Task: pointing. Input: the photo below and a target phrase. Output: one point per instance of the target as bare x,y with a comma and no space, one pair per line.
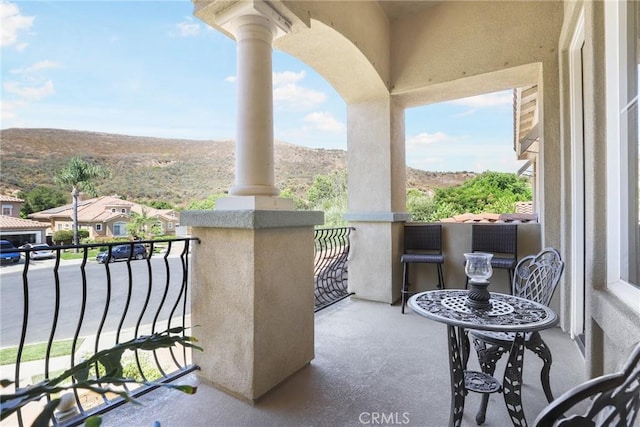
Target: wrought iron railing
331,259
87,306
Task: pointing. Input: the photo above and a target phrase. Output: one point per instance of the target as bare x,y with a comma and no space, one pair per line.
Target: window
123,210
169,225
120,229
7,210
634,145
98,227
622,29
113,210
629,136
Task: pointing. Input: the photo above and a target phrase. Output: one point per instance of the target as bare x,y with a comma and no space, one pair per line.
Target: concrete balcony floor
370,359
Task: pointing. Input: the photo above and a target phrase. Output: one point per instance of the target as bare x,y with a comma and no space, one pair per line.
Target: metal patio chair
536,278
614,400
501,240
422,244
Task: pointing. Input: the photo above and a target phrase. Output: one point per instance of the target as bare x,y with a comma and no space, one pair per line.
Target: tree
298,202
160,204
39,199
142,226
65,237
208,204
79,175
329,194
420,205
495,192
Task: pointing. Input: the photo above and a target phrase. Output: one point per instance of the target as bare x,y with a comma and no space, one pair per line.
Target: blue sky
151,68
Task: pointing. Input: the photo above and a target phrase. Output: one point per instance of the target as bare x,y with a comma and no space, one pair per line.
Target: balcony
370,361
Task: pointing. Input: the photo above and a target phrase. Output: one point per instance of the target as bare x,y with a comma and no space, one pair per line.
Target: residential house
11,205
18,230
105,217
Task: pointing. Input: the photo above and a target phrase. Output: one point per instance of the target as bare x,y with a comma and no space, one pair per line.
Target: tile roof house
105,217
15,229
11,205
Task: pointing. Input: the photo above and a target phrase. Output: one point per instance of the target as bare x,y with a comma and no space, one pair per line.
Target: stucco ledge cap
377,216
251,219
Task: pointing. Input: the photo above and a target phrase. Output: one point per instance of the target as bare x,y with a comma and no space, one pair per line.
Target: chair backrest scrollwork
615,400
536,276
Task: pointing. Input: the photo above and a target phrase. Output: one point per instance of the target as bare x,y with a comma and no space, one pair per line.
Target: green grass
32,352
70,254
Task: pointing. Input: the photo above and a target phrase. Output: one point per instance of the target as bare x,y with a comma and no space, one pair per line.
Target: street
101,300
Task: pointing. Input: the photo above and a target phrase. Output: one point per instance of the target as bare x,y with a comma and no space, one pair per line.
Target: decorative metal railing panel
331,259
86,307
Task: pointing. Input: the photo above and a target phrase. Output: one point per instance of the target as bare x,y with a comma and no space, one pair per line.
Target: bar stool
422,244
501,240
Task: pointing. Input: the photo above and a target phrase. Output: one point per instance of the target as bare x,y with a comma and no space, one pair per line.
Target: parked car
42,251
8,252
122,252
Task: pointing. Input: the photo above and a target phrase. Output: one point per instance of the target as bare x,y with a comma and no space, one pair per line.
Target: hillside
175,170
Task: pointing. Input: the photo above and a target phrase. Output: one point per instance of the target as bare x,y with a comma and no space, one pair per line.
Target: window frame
619,148
122,225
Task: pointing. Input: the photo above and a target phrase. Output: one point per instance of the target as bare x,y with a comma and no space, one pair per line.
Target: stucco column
377,197
252,296
252,272
549,163
254,25
254,140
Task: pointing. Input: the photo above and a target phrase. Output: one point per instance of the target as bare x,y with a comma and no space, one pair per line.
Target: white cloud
486,100
297,97
425,138
38,66
12,23
288,93
230,79
188,28
30,93
287,77
324,121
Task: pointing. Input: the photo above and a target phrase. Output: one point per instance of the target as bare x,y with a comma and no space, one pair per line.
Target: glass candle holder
478,269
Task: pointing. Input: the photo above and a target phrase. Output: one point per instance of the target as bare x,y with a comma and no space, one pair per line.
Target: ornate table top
508,313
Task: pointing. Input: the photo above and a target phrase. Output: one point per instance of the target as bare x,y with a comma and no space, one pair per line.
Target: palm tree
80,176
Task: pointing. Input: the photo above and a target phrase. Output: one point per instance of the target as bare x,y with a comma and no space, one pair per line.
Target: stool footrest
480,382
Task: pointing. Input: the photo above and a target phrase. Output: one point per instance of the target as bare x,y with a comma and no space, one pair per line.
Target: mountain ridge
175,170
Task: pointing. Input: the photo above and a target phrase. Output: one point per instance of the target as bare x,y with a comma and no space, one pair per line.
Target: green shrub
63,237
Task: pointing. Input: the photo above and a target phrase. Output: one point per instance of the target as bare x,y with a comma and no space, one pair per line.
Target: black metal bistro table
507,314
